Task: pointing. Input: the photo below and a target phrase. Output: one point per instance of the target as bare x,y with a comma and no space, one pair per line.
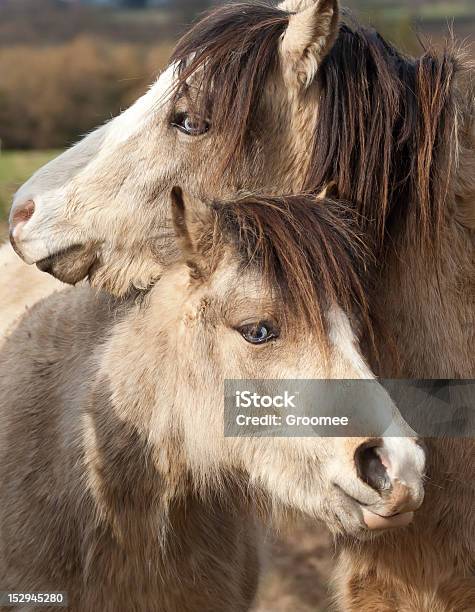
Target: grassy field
15,168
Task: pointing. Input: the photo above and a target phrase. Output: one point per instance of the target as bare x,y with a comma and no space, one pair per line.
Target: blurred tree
51,95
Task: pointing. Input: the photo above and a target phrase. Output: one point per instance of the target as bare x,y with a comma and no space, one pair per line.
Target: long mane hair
385,134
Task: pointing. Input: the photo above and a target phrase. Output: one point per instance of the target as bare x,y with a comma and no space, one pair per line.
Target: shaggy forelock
231,53
309,249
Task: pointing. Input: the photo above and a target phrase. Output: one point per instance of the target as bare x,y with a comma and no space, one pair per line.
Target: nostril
370,468
23,213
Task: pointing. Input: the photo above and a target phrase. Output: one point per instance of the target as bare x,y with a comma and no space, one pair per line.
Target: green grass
15,168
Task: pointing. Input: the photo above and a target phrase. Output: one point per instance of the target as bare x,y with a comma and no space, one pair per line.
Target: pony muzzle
387,483
394,467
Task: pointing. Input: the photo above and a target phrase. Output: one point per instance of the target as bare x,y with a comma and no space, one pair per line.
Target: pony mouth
374,521
70,265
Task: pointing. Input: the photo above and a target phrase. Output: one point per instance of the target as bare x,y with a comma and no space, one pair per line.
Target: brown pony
290,99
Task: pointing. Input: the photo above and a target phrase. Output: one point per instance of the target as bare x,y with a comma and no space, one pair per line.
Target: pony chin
72,265
121,276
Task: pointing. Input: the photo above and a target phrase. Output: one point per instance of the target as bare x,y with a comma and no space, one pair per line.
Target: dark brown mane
234,49
385,133
310,249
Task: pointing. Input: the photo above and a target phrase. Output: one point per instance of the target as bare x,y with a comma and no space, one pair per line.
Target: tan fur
309,36
424,284
117,484
115,543
426,567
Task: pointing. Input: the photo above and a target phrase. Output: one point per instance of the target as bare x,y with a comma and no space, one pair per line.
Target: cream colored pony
116,482
276,100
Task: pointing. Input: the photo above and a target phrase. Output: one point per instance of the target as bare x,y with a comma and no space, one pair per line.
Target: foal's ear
310,35
188,216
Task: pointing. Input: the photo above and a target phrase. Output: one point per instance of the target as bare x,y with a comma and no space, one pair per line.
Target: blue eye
258,333
190,126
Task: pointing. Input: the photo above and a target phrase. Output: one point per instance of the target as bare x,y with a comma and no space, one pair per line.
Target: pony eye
189,125
258,333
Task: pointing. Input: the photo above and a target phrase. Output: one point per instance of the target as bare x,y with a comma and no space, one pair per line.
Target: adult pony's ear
311,33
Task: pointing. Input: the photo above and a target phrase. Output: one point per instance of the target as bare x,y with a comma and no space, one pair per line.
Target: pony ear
189,221
295,6
179,220
309,37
